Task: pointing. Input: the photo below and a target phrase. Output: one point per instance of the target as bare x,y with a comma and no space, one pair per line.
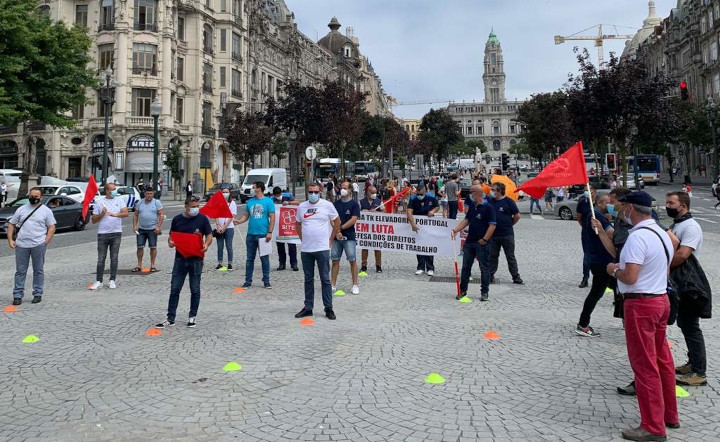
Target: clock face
494,82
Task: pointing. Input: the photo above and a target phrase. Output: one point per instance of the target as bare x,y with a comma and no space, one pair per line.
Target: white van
11,178
271,177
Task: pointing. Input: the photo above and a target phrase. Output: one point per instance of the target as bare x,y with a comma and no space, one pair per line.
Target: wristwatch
614,273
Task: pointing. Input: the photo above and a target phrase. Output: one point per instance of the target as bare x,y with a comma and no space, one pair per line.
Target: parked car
234,190
631,181
130,195
68,212
567,209
69,190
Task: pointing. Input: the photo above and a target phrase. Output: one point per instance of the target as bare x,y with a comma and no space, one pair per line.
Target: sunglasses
310,192
194,199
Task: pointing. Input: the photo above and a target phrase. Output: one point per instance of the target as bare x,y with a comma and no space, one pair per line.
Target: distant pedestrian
160,185
355,190
687,188
423,205
344,242
371,203
549,195
191,221
225,233
3,194
147,224
318,224
535,202
260,211
452,190
560,196
506,215
34,224
140,186
286,199
108,212
188,190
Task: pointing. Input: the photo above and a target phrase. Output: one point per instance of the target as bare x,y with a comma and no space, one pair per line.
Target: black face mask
672,213
33,200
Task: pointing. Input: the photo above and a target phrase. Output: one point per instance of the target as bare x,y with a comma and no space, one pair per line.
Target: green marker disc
232,366
434,378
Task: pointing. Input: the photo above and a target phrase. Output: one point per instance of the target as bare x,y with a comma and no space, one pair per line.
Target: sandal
136,269
153,270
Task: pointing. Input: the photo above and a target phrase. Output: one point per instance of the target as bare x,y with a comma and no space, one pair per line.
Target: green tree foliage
248,135
279,148
547,124
438,133
44,71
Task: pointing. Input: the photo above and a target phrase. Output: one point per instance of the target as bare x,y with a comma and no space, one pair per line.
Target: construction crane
417,102
598,39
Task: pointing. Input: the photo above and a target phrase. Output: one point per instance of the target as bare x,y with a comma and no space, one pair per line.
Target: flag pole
457,274
592,205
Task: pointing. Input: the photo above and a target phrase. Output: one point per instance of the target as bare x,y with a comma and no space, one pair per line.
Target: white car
130,195
69,190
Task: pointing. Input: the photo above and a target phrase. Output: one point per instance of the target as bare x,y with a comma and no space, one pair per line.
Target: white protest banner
286,225
393,233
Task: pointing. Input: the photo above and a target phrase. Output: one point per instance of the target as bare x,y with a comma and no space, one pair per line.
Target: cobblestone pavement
95,376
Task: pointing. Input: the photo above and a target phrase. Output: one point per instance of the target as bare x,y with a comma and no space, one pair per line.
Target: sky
433,49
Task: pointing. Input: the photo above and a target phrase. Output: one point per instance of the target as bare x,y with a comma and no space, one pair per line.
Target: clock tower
494,76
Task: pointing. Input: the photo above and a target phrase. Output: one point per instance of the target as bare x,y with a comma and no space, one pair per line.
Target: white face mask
344,192
226,195
373,196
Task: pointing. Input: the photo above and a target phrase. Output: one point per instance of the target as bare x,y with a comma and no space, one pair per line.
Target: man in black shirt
349,211
422,204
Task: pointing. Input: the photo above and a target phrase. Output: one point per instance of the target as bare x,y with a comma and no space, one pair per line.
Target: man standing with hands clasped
108,213
642,279
260,210
421,204
482,221
147,223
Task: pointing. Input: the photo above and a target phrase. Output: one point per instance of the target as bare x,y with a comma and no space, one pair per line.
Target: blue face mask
193,211
587,194
114,193
421,197
611,210
313,198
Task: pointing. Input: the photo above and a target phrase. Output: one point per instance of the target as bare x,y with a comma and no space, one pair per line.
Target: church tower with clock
494,76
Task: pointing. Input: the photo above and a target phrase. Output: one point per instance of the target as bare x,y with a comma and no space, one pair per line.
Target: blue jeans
182,268
535,202
291,250
471,252
225,241
22,262
252,247
426,262
309,259
105,241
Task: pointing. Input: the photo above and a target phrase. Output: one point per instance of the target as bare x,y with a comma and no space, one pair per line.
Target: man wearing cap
642,279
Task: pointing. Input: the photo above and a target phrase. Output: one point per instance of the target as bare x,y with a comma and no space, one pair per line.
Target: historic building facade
201,59
494,119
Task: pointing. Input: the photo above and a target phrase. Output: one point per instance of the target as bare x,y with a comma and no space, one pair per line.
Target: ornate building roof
648,28
335,41
492,38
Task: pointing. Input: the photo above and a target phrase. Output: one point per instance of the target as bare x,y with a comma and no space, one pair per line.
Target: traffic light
610,161
505,161
684,95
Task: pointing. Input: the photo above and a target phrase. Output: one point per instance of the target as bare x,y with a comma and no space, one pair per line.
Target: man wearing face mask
421,204
318,225
193,222
349,212
583,210
108,213
260,210
371,203
482,221
35,227
507,214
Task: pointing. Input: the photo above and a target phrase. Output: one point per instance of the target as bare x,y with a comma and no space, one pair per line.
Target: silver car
567,209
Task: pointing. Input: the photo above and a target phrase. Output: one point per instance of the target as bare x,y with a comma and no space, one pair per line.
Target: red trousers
651,361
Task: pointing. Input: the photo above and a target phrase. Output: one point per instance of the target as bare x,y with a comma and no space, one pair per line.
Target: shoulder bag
17,229
672,291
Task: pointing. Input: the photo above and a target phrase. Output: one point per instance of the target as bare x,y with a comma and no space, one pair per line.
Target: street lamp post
634,132
711,119
107,102
293,144
382,162
155,111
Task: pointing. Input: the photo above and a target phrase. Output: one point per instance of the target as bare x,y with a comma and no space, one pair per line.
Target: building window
141,100
81,14
180,69
181,28
144,59
223,40
496,145
347,51
106,54
79,112
180,103
223,5
512,129
43,11
469,130
206,117
713,51
107,15
710,19
703,25
236,82
145,15
496,128
222,76
207,78
716,84
513,143
236,47
493,58
480,129
207,39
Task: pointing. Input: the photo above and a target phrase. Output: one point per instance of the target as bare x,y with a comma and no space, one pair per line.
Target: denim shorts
148,236
349,246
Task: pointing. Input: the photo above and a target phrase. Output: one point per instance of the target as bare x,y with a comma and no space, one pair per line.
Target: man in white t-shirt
108,213
318,224
642,279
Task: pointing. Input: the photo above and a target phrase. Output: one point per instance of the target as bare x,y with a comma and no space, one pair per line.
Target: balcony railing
237,57
207,88
136,70
206,130
236,93
150,27
35,125
207,50
106,27
140,121
4,130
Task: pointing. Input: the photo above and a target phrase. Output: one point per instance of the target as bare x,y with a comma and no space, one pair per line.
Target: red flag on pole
90,193
567,170
217,207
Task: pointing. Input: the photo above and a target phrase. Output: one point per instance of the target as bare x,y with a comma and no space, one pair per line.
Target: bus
649,167
364,169
324,167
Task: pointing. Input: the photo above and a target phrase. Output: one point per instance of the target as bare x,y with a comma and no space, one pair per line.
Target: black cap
638,197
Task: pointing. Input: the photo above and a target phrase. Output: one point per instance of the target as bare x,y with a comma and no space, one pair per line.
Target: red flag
188,244
395,200
217,207
567,170
90,193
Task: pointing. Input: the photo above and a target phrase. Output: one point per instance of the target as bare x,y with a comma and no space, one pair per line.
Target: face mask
226,195
627,221
672,213
193,211
587,194
114,193
421,197
344,192
373,196
611,210
492,193
313,198
33,200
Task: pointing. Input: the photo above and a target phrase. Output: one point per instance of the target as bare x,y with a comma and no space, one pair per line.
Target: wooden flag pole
592,205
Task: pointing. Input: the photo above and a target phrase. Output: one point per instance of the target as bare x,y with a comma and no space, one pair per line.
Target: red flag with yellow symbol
567,170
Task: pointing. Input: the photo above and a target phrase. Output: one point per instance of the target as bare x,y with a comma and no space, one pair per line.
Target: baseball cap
639,197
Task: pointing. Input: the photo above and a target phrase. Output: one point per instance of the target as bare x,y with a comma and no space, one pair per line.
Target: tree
278,149
173,161
247,135
547,124
438,133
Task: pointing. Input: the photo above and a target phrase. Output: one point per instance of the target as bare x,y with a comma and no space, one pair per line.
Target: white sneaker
355,290
419,272
96,285
111,284
333,289
431,272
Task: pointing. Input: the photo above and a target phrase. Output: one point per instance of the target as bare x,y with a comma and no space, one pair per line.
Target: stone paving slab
95,376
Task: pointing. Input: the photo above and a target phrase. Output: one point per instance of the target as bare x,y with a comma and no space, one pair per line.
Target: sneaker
684,369
518,281
363,269
36,299
692,380
191,322
229,267
112,284
674,426
355,290
461,295
587,332
247,285
378,269
583,283
281,268
628,390
418,272
303,313
333,289
431,272
96,285
17,301
330,314
484,297
219,266
295,268
165,323
641,434
268,286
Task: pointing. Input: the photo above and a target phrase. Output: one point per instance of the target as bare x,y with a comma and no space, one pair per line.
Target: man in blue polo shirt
421,204
482,221
507,214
